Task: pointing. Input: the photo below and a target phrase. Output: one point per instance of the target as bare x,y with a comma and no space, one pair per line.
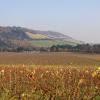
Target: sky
79,19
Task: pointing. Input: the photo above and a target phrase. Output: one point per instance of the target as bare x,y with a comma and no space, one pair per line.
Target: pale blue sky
77,18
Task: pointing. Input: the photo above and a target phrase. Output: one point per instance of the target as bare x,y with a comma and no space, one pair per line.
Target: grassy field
22,82
36,36
49,43
49,58
49,76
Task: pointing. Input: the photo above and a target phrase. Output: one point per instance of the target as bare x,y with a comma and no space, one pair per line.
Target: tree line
86,48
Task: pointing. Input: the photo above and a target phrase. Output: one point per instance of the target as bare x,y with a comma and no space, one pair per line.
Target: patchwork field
49,76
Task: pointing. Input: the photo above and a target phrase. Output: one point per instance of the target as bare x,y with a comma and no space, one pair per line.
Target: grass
49,83
49,43
36,36
49,76
50,59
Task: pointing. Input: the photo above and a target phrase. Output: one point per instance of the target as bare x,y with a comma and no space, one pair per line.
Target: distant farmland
49,43
49,58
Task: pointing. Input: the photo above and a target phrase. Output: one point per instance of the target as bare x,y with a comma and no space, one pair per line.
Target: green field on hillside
48,43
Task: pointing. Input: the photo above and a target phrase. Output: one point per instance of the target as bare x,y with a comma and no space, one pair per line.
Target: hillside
13,37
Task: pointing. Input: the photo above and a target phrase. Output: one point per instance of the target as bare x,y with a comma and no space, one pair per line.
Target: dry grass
49,59
22,82
49,76
36,36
